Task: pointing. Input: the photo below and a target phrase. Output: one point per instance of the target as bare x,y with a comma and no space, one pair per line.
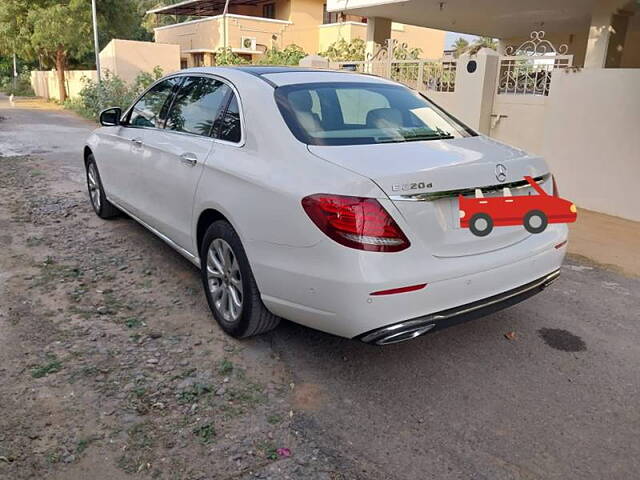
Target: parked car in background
326,198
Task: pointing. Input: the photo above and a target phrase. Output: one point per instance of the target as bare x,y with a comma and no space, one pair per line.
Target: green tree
460,46
12,18
151,20
482,42
59,32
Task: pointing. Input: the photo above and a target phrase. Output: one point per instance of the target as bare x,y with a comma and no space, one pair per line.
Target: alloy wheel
94,186
224,280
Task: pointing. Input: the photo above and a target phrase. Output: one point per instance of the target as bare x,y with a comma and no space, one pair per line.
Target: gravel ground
111,366
110,362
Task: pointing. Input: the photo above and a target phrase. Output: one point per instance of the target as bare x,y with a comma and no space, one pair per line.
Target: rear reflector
355,222
561,244
392,291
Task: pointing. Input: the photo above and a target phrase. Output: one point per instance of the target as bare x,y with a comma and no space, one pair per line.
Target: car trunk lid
424,179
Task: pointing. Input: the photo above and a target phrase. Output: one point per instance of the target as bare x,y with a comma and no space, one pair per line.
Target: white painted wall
519,120
445,100
45,82
128,58
591,139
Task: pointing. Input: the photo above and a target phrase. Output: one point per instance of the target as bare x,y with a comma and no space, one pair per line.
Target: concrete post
502,46
476,77
603,18
314,61
378,32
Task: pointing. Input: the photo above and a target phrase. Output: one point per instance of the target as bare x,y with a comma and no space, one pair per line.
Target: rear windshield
362,113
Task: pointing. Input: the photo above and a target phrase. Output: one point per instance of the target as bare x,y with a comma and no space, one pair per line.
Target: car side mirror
110,117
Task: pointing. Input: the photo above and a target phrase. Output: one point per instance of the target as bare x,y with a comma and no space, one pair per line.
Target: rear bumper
409,329
328,287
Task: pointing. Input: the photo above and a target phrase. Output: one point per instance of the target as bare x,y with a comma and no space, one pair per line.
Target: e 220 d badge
403,187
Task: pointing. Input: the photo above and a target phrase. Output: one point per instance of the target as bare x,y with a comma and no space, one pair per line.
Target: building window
329,17
269,10
198,59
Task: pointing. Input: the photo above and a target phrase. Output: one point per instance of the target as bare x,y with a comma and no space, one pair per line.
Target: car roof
278,76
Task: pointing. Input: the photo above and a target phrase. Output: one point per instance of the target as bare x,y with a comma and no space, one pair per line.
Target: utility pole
15,71
224,25
96,46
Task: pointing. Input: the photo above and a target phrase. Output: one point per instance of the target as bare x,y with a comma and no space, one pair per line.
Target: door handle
189,159
137,142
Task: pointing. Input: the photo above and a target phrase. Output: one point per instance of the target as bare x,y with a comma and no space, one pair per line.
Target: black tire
254,318
103,207
481,224
535,221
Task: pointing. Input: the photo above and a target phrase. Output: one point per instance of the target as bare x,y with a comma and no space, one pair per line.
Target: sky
453,36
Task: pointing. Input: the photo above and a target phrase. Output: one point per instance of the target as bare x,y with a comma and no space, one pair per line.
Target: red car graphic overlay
535,212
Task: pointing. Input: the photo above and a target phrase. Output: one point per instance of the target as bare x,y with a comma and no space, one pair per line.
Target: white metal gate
522,88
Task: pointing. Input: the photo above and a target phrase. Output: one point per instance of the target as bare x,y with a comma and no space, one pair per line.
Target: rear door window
150,111
230,129
197,105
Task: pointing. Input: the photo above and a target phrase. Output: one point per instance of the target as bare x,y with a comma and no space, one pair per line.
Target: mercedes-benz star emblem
501,172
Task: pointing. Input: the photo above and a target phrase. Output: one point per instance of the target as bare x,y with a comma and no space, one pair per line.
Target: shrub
343,51
226,56
112,91
23,85
290,55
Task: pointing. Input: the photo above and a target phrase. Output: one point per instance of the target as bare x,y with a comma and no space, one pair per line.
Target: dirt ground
103,371
111,366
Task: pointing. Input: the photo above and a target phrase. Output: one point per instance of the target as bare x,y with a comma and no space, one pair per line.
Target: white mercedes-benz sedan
326,198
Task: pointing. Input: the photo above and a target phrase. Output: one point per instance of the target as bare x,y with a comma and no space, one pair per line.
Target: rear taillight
556,192
355,222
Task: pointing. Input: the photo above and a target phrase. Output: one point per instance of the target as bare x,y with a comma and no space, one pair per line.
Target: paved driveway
558,399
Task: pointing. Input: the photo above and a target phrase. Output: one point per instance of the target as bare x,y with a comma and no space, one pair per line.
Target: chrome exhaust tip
397,333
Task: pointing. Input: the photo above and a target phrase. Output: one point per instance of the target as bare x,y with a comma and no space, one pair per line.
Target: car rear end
398,265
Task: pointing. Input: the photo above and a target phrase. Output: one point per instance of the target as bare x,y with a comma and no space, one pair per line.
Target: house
563,82
598,33
250,27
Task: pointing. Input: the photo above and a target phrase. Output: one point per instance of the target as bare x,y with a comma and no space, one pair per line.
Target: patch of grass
85,313
229,412
274,419
36,173
187,373
138,455
140,392
53,457
139,435
84,443
133,322
78,293
205,433
225,367
34,241
86,371
249,395
193,393
268,449
52,366
51,271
